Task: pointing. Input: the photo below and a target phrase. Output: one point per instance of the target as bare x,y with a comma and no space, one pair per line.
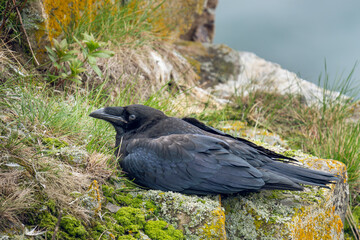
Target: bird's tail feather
301,175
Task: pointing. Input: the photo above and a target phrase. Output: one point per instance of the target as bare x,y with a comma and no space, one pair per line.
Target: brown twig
25,33
21,5
5,15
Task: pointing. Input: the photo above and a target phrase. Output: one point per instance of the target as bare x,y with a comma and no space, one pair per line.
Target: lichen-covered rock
198,217
215,64
241,129
315,213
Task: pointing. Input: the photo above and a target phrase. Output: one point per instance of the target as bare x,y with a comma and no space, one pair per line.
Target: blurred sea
298,35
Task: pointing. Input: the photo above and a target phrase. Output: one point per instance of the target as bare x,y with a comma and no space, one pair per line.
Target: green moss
51,205
131,219
161,230
289,153
101,231
73,227
54,142
47,220
124,199
107,191
112,226
150,205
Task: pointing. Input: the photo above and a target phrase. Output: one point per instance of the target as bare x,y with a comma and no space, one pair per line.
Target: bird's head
128,118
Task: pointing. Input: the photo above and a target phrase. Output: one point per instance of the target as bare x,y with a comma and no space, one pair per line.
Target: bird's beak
101,114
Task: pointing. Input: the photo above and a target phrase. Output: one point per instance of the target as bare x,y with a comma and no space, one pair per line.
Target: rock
112,207
215,64
240,129
225,72
315,213
259,74
198,217
203,28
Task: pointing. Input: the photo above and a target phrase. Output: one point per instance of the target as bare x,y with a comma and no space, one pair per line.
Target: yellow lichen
310,224
63,12
233,126
94,193
216,229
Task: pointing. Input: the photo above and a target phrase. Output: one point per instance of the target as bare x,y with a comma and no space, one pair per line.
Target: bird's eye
132,117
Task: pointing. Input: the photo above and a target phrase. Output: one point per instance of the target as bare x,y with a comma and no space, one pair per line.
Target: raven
187,156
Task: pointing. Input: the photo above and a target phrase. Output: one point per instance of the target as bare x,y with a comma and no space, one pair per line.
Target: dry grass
33,172
143,71
15,198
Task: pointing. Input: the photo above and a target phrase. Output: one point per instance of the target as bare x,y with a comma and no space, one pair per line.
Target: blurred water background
298,35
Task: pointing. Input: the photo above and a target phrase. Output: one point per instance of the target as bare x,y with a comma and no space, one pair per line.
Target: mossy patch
161,230
126,199
47,220
54,143
131,219
73,227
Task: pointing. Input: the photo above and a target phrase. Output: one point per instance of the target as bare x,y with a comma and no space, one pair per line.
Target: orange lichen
310,224
171,18
65,12
94,193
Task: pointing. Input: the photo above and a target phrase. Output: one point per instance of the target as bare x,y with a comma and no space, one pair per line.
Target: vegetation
67,64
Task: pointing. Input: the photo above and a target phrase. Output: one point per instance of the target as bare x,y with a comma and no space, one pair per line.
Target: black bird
185,155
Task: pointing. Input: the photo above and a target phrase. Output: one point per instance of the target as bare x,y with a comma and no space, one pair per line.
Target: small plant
68,62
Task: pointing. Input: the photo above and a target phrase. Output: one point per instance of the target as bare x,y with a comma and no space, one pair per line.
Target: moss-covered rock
161,230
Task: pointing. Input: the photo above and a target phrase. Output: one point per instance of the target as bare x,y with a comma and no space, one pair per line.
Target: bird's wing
189,163
261,149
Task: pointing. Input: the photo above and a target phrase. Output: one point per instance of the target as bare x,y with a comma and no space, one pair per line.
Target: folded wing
199,164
